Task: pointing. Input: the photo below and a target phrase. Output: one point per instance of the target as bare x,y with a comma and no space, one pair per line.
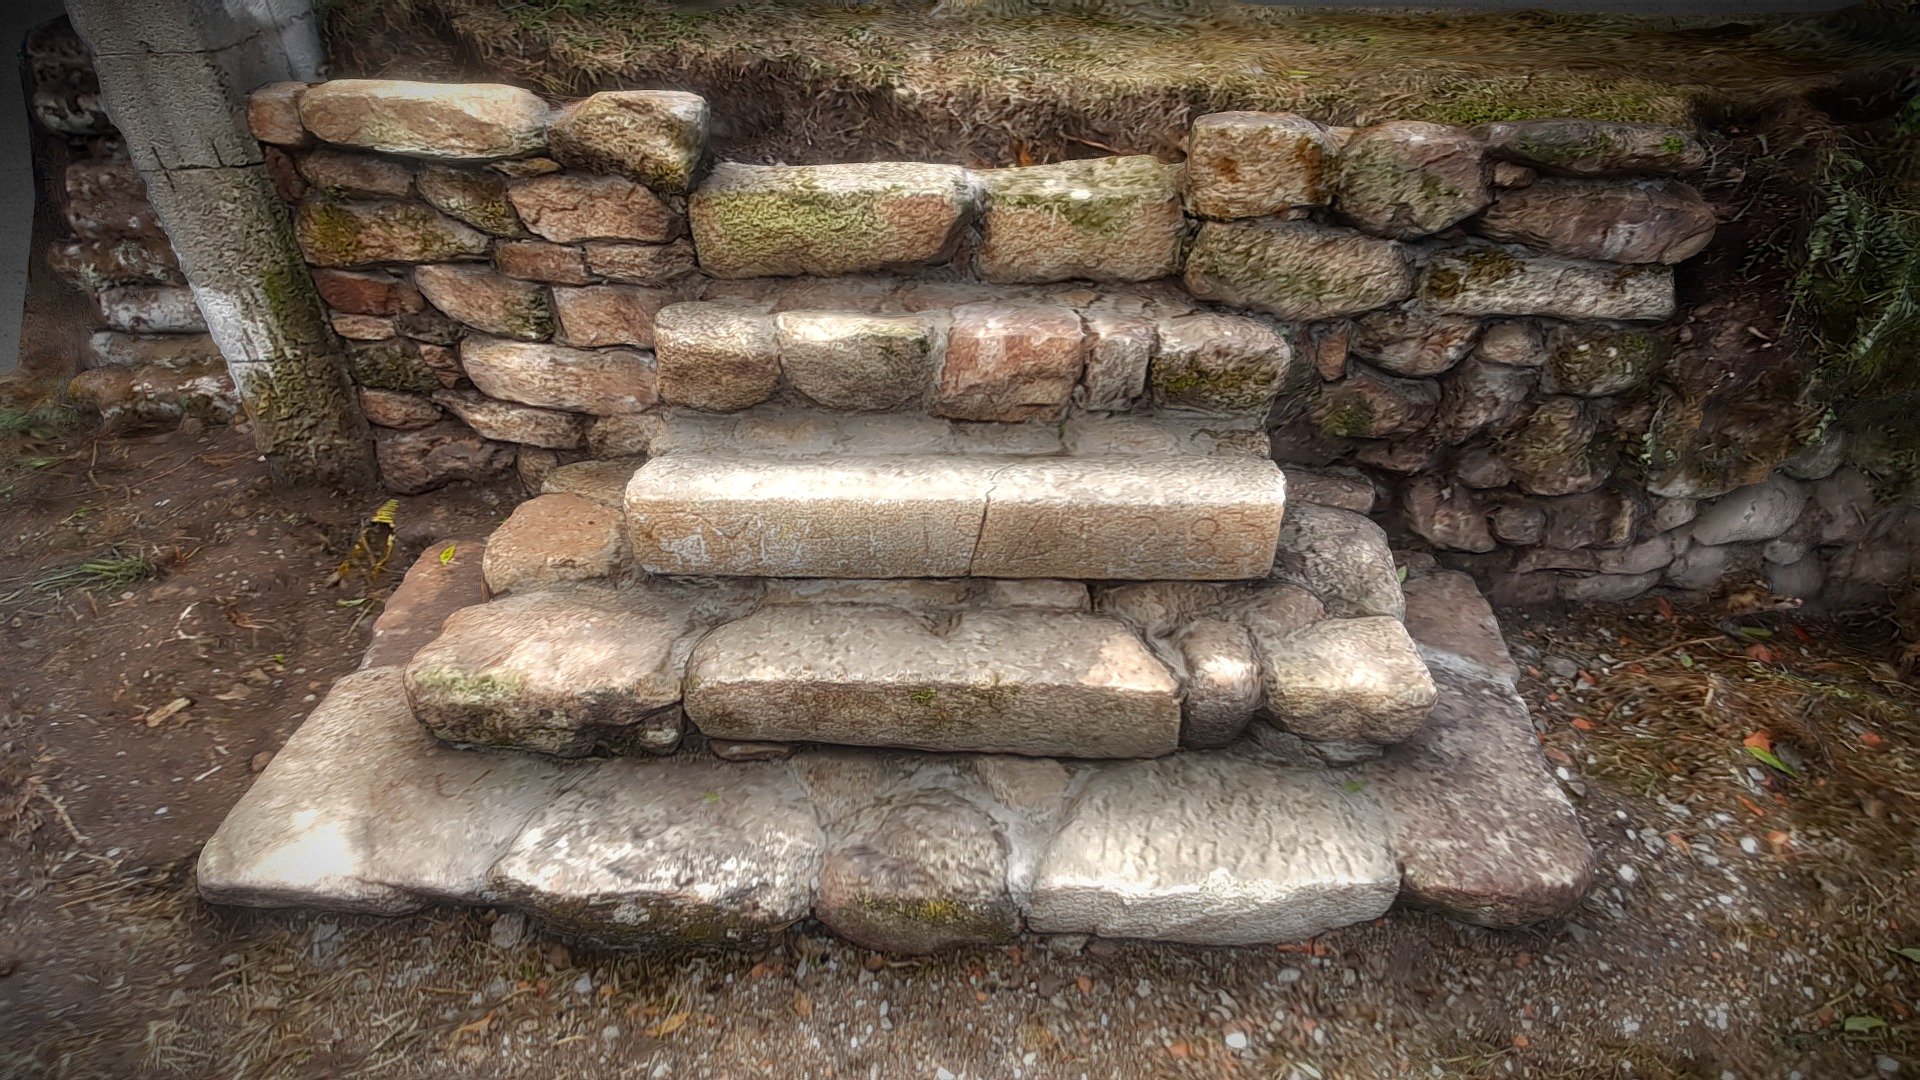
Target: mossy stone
1104,219
1599,361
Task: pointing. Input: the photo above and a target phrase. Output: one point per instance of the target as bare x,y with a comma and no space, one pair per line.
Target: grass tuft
114,570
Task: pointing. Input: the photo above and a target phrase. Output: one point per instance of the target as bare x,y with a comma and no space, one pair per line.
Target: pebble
1627,873
1236,1040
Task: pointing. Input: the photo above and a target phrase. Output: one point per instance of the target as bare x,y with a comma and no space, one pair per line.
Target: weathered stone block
466,121
568,207
1407,179
538,260
1412,343
112,348
1513,342
273,114
509,422
1445,516
1758,512
151,309
372,292
415,461
362,811
916,872
610,314
1251,164
1494,281
1555,453
1211,849
556,538
1342,558
640,264
1645,221
561,670
861,362
715,355
1010,362
475,197
336,234
1296,269
1367,404
1599,361
1120,350
1222,681
484,300
1158,608
362,327
1478,396
1219,364
603,382
107,200
603,481
1028,682
1343,489
1103,219
343,174
1574,147
1132,518
98,264
826,220
1348,680
402,412
658,137
703,854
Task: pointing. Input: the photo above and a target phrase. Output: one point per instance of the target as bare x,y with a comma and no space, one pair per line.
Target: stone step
1093,517
364,811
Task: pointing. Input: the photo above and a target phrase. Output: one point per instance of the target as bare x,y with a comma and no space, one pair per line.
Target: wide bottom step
364,811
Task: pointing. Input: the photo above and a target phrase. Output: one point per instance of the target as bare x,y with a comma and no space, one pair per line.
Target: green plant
1856,290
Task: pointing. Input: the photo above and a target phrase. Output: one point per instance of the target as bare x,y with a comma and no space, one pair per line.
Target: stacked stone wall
149,358
1481,326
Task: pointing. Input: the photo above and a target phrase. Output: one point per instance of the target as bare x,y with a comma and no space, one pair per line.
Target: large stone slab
363,811
839,517
1481,829
1101,219
446,577
952,515
1212,849
716,356
562,671
686,851
827,220
1132,518
464,121
1025,682
1297,270
1495,281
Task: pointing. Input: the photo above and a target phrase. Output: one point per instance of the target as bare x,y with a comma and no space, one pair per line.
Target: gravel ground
1748,922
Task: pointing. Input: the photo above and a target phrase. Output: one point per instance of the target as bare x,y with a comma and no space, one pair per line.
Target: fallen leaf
1582,723
475,1027
1522,1042
1759,740
1910,953
446,554
1666,609
1858,1025
1758,810
1558,756
1872,739
1179,1048
874,962
1779,838
1767,757
167,712
1085,984
670,1025
802,1007
1760,653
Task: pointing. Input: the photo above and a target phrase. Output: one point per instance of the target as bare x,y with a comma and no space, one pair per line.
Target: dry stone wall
1475,324
150,357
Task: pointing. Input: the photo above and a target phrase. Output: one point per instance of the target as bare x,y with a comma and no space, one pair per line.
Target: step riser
1090,519
1036,683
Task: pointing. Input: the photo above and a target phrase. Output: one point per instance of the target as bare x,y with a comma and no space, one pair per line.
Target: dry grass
824,80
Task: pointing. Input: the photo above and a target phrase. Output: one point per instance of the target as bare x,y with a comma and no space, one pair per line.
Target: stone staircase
931,680
914,584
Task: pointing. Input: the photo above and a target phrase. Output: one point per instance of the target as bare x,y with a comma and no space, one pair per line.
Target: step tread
362,811
1094,516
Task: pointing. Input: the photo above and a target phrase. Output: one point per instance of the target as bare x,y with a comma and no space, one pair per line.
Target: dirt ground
165,622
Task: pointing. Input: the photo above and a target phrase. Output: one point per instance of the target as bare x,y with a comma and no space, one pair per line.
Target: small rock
507,931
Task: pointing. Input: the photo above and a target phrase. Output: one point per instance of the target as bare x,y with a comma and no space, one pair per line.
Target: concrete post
174,75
